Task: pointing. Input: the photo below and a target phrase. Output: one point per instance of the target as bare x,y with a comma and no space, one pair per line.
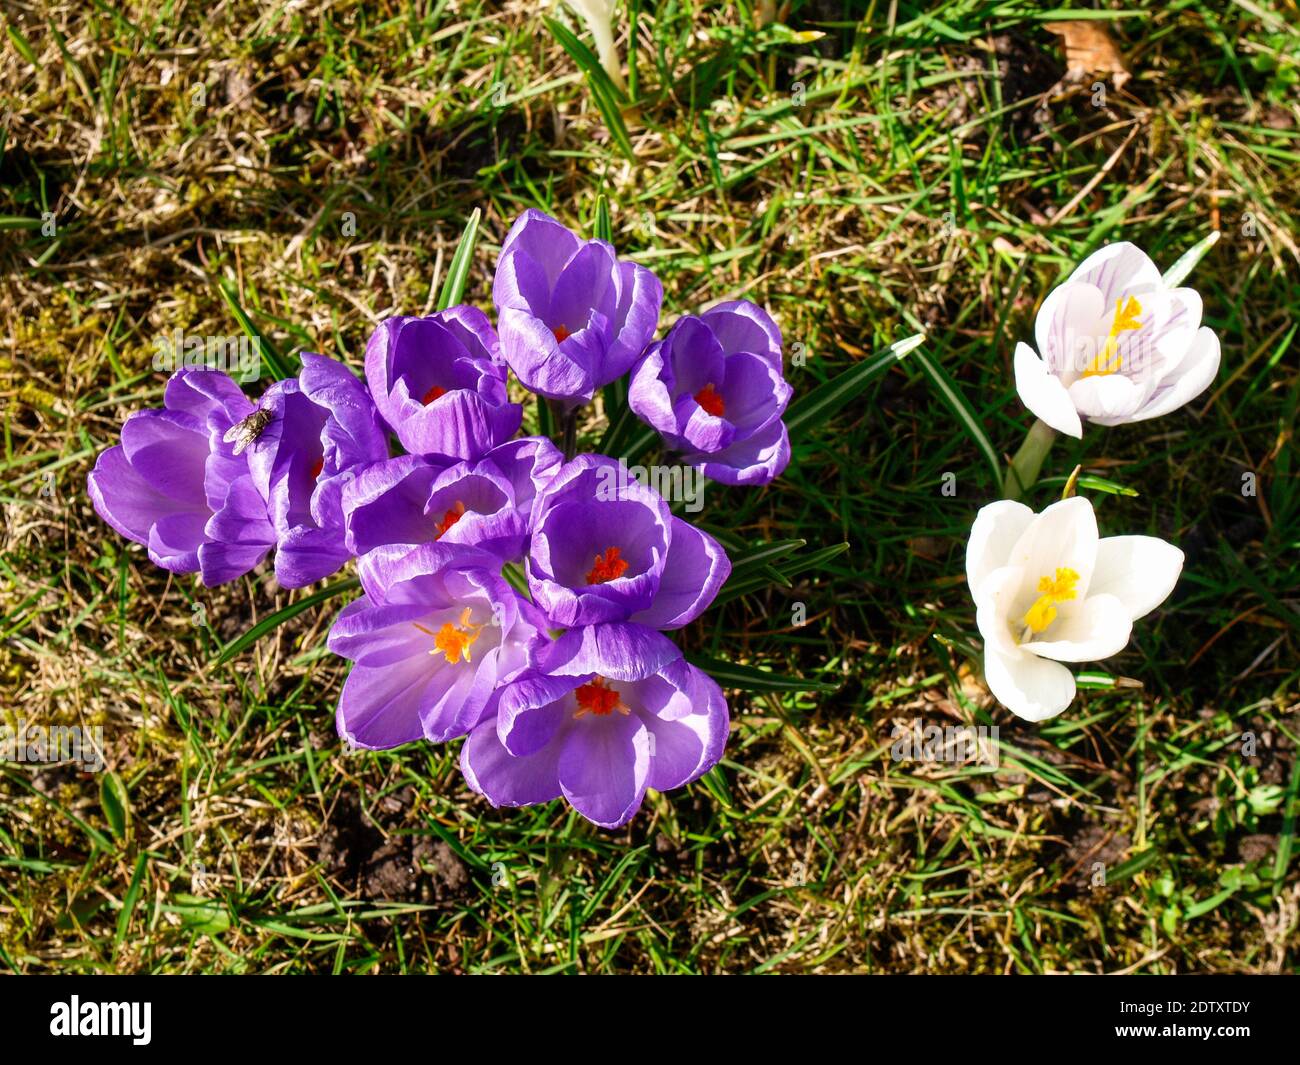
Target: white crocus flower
1047,590
1115,345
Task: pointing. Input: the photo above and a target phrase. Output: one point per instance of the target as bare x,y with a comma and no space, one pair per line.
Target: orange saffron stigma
595,698
453,641
315,470
561,333
607,567
435,392
708,398
450,518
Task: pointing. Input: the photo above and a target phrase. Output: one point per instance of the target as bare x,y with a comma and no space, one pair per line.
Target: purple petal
695,569
604,767
621,651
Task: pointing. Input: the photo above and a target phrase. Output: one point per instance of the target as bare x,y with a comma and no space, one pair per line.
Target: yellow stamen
1061,589
453,641
1126,320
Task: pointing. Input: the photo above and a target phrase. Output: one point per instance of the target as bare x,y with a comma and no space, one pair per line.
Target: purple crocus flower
435,634
176,486
322,431
572,316
605,548
713,388
439,384
605,713
486,503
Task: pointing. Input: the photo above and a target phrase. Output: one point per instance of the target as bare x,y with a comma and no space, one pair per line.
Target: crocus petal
1140,571
758,459
380,706
126,500
604,768
740,325
1030,687
1085,632
1043,394
1107,399
1193,376
695,567
1116,269
997,528
505,779
619,651
175,539
1063,535
688,745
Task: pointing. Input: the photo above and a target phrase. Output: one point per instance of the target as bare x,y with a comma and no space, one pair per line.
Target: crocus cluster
1116,344
511,594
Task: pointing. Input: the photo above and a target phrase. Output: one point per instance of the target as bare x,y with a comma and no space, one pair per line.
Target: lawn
865,171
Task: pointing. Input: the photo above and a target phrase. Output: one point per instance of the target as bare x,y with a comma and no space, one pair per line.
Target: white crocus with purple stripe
1115,345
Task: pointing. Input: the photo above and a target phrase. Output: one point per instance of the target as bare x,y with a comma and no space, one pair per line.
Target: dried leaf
1090,49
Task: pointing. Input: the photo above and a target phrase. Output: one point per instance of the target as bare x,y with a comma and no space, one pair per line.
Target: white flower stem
599,16
1023,471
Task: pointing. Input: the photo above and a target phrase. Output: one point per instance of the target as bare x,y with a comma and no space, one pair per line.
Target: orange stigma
315,470
561,333
434,393
708,398
595,698
450,518
607,567
453,641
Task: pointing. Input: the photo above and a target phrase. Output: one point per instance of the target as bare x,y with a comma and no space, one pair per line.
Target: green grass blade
274,621
824,400
453,289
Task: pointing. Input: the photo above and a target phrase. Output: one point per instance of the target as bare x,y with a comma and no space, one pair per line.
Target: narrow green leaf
1133,866
13,221
115,803
130,899
605,95
748,581
1187,262
765,554
604,228
956,402
21,43
453,289
274,621
750,678
275,363
824,400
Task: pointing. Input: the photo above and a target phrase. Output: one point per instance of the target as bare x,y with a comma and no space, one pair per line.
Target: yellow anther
1058,589
1126,320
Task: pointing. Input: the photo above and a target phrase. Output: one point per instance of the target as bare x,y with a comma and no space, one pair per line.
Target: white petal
1063,535
1118,268
1043,393
1067,326
997,528
1107,399
998,594
1190,378
1030,687
1085,632
1139,571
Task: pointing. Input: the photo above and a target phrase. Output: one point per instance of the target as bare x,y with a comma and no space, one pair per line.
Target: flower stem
568,424
1023,471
